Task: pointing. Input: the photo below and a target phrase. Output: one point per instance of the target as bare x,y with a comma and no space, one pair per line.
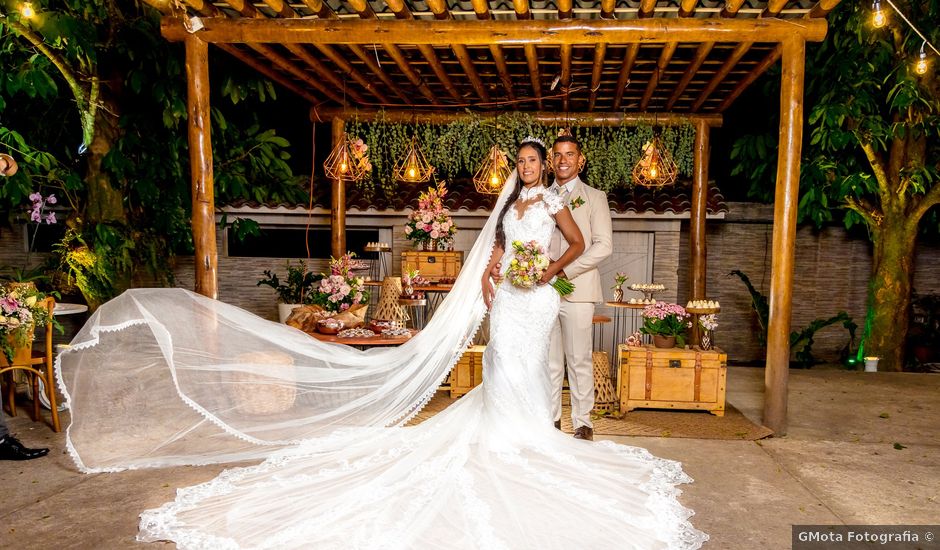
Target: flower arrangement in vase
338,291
619,279
708,323
22,308
431,225
666,323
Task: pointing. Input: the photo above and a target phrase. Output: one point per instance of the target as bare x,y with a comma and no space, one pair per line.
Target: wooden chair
38,364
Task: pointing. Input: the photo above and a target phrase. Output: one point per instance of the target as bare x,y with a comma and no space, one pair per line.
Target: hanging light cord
913,28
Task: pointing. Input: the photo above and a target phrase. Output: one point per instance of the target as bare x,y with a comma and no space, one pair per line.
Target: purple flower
35,197
51,199
50,218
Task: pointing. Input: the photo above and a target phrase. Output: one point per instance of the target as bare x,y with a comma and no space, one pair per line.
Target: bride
162,377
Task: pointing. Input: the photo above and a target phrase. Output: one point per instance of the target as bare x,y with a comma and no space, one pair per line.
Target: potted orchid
666,323
293,291
431,225
619,279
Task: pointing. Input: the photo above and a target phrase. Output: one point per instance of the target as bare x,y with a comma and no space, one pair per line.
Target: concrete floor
837,465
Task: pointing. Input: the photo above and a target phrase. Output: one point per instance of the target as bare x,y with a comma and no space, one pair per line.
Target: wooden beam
749,79
664,57
200,165
323,72
503,70
245,8
482,10
565,74
697,248
281,8
591,119
484,33
687,7
338,199
700,54
600,50
774,7
726,68
607,8
364,9
320,8
786,202
532,59
357,76
286,65
629,59
647,7
204,8
522,9
565,9
268,72
822,8
369,60
440,11
731,8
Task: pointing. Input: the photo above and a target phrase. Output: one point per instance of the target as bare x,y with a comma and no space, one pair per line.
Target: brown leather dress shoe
584,432
558,424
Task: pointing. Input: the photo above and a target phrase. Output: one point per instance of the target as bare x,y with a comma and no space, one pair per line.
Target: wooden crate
672,378
433,265
468,373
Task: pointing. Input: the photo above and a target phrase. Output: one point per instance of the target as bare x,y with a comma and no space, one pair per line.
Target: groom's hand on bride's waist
497,273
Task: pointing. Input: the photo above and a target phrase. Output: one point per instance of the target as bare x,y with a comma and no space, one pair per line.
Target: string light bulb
878,18
921,66
27,11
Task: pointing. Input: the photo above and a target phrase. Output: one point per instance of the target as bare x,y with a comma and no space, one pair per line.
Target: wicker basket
605,397
257,394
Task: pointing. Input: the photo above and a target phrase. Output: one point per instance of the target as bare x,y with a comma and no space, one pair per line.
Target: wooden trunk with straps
674,378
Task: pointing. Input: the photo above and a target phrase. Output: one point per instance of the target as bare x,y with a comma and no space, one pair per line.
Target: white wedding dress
489,472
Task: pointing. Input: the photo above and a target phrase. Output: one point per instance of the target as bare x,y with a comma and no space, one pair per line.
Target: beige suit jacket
593,219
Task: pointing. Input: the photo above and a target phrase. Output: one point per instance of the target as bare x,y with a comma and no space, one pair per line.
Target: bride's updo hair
539,147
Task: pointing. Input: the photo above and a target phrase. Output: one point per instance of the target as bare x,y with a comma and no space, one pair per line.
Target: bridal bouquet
21,310
528,263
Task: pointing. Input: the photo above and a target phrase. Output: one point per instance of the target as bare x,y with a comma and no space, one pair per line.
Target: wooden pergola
583,62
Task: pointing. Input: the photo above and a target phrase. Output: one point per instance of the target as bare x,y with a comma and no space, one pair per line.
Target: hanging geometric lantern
413,167
347,161
655,167
493,173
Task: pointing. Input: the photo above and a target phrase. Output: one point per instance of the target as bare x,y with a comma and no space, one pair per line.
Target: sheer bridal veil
161,377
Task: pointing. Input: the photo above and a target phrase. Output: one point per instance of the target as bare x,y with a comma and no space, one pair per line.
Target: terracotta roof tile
462,196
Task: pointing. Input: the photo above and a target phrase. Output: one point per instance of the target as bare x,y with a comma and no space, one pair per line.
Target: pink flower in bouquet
435,234
426,218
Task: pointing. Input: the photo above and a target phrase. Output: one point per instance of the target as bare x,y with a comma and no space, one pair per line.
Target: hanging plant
456,149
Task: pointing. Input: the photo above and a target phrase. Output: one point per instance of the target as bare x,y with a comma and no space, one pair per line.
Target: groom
572,336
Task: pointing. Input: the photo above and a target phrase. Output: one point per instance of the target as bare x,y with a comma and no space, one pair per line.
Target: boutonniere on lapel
574,203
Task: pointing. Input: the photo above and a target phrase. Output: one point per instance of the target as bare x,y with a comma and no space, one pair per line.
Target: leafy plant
870,151
665,319
297,288
457,148
801,341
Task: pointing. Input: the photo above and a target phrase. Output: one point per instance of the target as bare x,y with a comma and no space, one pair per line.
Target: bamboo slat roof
694,72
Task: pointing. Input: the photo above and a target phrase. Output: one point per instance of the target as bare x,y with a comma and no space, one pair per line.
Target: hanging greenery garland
456,149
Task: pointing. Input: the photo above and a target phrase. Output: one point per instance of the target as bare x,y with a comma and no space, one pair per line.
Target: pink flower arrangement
431,221
338,291
665,319
359,150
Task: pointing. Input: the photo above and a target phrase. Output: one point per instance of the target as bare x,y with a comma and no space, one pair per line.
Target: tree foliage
92,95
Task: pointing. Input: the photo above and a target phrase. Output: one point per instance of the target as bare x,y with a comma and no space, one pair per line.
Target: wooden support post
338,200
786,199
200,164
697,250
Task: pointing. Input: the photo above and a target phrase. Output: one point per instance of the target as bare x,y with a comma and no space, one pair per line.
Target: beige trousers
571,344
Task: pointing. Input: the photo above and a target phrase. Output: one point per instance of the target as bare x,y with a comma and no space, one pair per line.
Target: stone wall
831,275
